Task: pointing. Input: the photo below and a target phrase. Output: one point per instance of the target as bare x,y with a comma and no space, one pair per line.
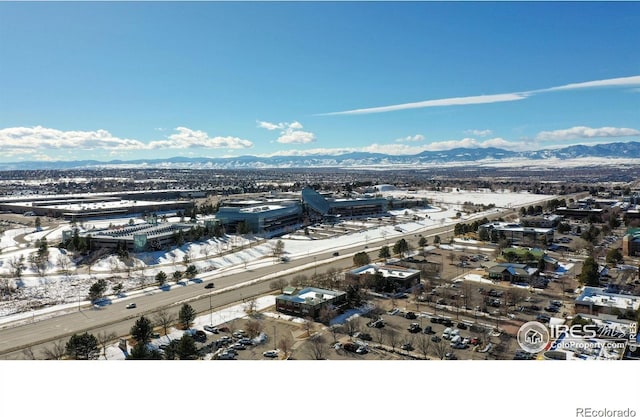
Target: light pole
274,338
315,265
210,310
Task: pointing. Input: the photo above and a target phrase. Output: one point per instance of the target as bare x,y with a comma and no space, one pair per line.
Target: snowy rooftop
599,297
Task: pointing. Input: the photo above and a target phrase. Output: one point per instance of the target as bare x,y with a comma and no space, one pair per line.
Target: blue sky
151,80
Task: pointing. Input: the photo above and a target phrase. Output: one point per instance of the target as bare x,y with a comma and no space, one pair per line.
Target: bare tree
278,284
103,339
440,349
307,325
285,343
253,328
55,352
251,306
424,345
317,347
393,339
28,354
380,334
164,319
352,325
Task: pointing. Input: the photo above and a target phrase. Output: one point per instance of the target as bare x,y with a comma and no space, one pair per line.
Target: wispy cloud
477,132
584,132
291,132
456,101
31,140
493,98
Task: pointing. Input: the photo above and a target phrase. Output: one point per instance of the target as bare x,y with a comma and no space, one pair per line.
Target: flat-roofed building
403,278
517,234
596,301
308,301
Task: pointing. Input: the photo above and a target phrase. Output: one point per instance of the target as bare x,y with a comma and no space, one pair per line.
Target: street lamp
274,338
210,310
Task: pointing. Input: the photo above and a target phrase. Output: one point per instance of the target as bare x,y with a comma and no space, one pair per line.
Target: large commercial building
135,238
596,301
91,205
631,242
268,218
519,235
327,207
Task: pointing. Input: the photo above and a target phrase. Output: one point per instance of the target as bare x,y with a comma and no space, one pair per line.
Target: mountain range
627,153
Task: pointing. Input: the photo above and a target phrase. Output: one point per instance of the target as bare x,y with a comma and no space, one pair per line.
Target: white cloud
493,98
584,132
291,132
28,140
187,138
414,138
296,136
38,137
477,132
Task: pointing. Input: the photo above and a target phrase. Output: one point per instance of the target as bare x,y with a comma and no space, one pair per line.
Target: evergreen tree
422,242
83,347
384,252
142,352
161,278
361,258
186,349
590,275
401,247
186,316
191,271
142,330
97,290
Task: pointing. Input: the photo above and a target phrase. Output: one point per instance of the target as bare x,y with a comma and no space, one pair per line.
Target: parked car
410,315
461,325
436,320
209,285
552,309
543,318
211,329
428,330
365,336
393,312
414,328
407,347
270,354
435,339
378,324
238,346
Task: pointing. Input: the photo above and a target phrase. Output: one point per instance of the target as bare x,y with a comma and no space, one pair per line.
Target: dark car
336,253
407,347
543,318
209,285
410,315
414,328
428,330
365,336
435,339
447,323
462,326
436,319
